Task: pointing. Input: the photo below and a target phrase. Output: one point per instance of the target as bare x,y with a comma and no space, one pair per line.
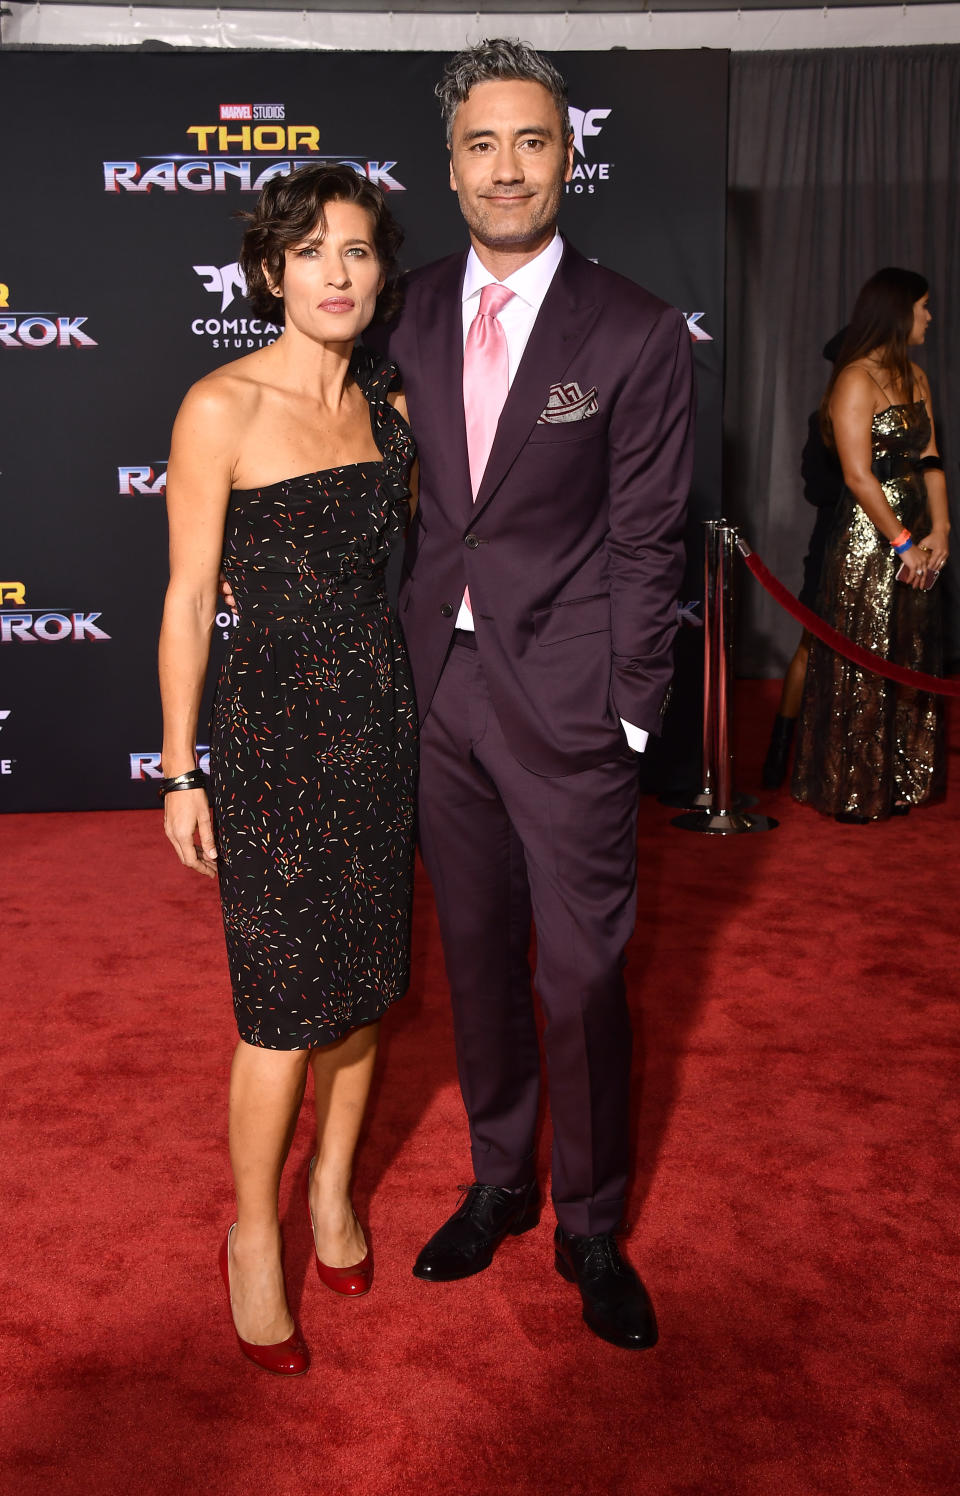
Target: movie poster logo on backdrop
147,765
225,281
253,111
251,144
22,625
146,478
698,334
6,764
40,329
243,333
587,124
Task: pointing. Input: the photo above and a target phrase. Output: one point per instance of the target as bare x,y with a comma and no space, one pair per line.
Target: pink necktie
486,381
485,378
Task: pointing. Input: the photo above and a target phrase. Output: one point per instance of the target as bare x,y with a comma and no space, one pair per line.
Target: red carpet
794,1209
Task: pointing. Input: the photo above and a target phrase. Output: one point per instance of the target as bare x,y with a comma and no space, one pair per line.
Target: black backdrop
117,292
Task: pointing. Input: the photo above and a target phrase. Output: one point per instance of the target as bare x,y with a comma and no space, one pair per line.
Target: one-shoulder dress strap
375,374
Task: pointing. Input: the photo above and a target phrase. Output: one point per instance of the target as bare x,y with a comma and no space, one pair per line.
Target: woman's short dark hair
881,323
291,208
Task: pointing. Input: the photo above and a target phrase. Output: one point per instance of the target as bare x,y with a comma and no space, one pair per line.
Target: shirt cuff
636,737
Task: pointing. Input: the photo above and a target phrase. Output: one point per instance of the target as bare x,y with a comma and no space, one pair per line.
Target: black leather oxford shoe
465,1244
615,1303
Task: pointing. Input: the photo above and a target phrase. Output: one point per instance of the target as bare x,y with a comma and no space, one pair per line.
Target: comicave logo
27,626
227,282
586,174
151,477
39,329
252,144
147,765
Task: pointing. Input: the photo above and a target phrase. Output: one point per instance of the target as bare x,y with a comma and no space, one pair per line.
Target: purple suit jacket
573,551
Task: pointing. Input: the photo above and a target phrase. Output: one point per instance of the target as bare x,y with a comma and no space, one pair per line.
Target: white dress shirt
529,285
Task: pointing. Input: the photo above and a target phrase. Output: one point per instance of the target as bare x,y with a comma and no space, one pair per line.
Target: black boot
778,754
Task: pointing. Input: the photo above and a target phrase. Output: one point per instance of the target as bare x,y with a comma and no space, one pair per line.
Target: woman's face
921,321
331,283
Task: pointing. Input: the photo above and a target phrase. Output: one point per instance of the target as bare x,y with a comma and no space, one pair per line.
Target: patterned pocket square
567,402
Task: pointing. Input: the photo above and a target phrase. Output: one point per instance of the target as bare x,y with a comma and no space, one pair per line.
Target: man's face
508,164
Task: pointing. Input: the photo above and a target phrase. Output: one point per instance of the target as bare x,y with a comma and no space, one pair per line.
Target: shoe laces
475,1195
602,1254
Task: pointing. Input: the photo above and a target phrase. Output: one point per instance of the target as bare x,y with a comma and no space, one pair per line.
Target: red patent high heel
287,1358
350,1281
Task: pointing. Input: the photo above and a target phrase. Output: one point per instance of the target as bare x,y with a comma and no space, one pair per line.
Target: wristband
194,779
902,542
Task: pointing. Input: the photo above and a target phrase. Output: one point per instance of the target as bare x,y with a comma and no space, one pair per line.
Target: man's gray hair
492,60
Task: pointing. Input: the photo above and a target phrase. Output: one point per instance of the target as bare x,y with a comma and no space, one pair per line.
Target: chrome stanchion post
720,818
705,797
723,633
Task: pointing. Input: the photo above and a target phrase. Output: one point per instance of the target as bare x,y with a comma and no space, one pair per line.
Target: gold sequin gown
864,743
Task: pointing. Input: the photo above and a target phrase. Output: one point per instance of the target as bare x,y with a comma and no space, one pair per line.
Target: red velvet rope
865,658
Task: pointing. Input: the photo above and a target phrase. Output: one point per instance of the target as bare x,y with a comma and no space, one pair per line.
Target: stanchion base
687,800
730,823
704,801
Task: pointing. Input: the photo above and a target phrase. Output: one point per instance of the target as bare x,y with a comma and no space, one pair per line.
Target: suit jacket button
472,541
446,611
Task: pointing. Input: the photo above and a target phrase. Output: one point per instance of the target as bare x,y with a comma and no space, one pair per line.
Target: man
552,404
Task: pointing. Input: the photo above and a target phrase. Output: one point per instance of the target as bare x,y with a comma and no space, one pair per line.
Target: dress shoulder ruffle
377,376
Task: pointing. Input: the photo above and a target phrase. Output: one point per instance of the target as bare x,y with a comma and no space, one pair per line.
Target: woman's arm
199,475
937,542
852,408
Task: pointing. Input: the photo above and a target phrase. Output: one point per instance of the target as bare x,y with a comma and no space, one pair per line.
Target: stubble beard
483,225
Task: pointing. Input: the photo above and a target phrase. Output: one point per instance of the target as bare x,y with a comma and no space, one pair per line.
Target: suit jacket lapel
440,350
565,318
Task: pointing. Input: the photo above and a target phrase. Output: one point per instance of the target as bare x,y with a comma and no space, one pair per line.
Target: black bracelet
194,779
930,464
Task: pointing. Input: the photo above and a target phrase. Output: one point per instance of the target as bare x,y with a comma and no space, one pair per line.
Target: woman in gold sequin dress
867,747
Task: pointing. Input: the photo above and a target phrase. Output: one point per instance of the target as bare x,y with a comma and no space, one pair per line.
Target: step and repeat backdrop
119,287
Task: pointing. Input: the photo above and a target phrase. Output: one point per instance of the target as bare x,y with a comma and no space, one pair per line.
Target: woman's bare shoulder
856,386
229,394
856,375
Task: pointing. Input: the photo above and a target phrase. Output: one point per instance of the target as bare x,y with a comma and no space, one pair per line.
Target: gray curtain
839,163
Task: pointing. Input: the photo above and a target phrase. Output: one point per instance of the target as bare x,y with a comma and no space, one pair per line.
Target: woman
313,753
868,748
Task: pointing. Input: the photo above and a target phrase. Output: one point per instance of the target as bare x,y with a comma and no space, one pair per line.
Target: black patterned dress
866,744
313,747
